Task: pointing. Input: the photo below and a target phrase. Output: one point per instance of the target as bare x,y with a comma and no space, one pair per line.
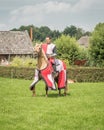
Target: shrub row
15,72
86,74
78,74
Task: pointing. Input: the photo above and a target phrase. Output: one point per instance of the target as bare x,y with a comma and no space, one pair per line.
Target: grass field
81,109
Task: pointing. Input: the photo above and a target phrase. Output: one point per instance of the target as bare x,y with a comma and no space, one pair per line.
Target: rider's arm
55,50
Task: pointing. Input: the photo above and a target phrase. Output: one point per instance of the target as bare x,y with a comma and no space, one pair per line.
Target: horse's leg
36,80
65,89
59,92
34,94
46,91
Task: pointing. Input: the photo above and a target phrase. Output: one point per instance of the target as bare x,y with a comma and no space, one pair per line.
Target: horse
44,71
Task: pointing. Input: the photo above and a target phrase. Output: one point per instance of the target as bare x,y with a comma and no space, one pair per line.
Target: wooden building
84,41
15,43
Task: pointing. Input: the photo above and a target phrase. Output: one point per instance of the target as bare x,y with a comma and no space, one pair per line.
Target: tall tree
97,45
44,31
74,31
55,34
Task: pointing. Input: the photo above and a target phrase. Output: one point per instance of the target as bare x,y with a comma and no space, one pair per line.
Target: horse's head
37,50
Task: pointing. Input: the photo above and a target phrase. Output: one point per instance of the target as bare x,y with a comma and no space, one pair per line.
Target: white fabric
50,77
50,48
59,65
36,78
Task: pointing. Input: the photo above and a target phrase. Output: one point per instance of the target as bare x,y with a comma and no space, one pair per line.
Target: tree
39,33
87,33
55,34
74,31
44,31
96,49
80,33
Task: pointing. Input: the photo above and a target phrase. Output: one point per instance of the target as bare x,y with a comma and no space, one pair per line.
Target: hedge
78,74
86,74
15,72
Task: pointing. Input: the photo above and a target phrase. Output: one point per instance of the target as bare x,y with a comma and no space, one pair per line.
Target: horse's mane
42,60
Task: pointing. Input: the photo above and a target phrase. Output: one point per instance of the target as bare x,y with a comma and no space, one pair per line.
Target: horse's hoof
33,95
31,88
65,94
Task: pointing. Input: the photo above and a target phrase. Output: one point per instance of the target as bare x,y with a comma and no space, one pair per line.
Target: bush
78,74
16,72
86,74
96,49
69,49
23,62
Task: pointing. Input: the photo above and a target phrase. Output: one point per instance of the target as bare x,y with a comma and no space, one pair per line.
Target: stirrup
55,74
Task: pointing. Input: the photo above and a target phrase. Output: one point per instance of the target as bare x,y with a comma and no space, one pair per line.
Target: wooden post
31,34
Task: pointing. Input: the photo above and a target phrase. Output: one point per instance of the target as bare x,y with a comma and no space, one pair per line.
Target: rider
50,50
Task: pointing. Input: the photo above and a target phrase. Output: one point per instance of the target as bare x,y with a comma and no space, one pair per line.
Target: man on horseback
50,69
50,51
51,48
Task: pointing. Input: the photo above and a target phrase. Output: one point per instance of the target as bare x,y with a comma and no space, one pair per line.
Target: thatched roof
15,42
84,41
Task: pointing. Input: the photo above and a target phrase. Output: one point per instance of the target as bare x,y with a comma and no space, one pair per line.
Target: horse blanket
46,75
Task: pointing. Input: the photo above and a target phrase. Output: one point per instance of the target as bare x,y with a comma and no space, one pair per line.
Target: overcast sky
56,14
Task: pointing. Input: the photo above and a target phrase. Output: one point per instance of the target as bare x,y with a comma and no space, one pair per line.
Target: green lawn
81,109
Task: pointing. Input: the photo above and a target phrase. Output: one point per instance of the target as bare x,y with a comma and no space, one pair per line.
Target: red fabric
47,76
62,77
64,65
52,60
62,80
44,47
